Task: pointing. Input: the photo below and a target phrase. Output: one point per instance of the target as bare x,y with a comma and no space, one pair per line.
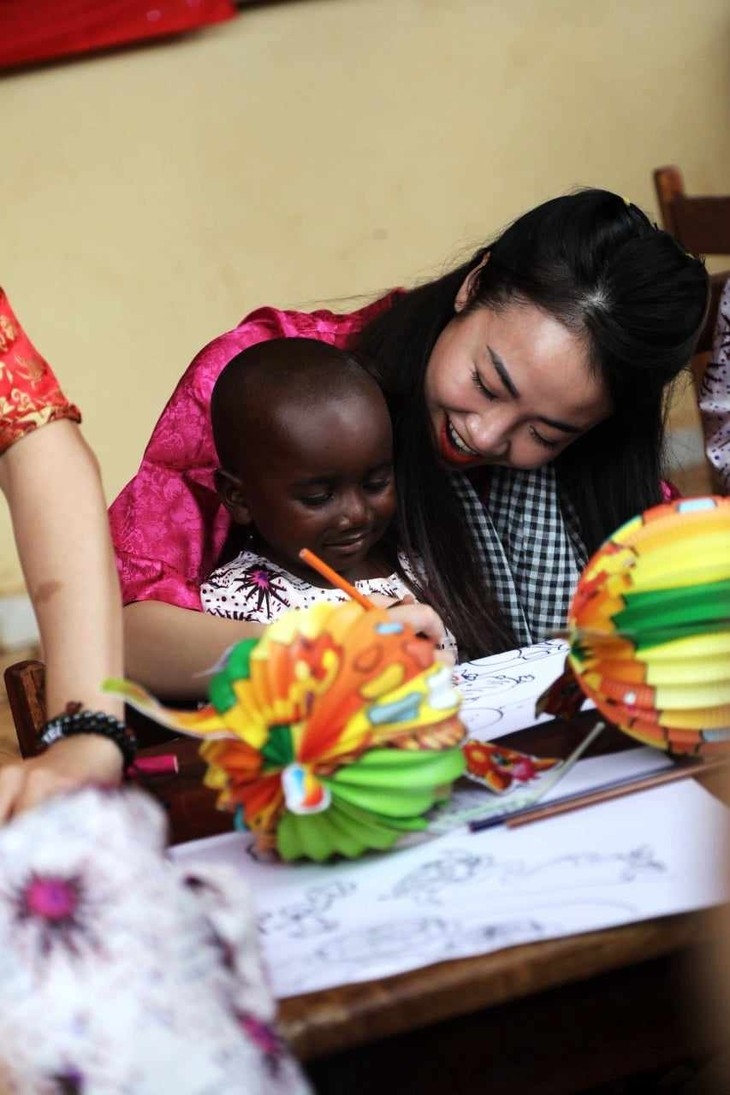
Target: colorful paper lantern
332,734
499,768
649,629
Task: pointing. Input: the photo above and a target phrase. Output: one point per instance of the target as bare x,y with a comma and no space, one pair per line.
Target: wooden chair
189,805
25,683
702,226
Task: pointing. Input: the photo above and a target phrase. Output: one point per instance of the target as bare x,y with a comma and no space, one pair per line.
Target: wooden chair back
702,226
189,805
25,683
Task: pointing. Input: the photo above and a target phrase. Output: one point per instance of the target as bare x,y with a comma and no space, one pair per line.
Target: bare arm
169,649
52,484
51,481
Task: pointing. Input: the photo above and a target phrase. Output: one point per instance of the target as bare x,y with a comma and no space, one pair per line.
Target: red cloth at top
39,30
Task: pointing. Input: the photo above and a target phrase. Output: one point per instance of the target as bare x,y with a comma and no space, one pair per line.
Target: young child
305,444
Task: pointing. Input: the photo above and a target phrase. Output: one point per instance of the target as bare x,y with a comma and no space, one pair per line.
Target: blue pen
644,782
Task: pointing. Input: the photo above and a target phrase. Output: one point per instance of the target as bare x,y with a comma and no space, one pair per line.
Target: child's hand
70,763
420,617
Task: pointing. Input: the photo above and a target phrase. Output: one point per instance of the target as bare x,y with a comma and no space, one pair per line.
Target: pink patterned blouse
167,524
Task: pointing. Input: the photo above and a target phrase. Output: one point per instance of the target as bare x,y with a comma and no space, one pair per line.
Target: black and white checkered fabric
528,545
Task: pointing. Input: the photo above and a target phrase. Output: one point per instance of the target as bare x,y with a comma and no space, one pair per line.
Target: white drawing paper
462,894
499,692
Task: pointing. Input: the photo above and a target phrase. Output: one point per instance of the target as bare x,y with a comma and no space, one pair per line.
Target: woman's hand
70,763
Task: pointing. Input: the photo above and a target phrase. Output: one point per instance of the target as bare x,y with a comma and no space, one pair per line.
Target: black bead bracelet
76,720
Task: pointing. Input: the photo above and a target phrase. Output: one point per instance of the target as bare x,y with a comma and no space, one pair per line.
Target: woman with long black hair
527,389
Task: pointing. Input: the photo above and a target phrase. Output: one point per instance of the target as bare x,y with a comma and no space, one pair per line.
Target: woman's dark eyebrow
501,370
502,373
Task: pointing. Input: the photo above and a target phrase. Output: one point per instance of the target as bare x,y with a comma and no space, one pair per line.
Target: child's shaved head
296,373
305,443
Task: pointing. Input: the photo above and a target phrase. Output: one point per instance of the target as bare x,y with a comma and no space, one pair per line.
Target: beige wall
316,150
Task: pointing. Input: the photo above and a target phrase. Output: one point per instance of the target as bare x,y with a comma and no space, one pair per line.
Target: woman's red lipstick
450,453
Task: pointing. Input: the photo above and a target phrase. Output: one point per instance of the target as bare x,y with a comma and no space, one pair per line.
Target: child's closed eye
376,486
378,479
314,501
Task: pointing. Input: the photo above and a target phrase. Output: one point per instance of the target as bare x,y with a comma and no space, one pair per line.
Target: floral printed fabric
30,395
168,525
119,972
715,396
253,588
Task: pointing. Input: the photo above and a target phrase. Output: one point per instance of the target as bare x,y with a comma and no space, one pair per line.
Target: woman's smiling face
510,386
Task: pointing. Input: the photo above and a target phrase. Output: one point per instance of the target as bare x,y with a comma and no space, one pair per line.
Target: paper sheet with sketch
461,894
499,692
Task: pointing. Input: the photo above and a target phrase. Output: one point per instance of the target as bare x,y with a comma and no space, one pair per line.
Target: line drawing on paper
502,689
395,945
305,918
481,717
524,654
471,682
431,883
432,937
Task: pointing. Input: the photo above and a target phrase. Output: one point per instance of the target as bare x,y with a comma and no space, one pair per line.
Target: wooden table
549,1018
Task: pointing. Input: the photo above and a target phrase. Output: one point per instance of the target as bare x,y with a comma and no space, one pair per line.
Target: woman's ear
231,493
466,289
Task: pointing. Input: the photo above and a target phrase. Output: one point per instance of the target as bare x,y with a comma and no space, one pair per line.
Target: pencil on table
618,790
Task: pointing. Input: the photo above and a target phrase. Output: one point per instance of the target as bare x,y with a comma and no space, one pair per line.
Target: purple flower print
54,907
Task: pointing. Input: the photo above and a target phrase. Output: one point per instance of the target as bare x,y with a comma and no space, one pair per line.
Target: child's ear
231,493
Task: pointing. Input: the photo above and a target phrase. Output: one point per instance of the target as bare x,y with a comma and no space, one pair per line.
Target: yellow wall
319,150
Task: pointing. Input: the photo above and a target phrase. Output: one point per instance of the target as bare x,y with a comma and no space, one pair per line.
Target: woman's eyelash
481,386
543,440
485,391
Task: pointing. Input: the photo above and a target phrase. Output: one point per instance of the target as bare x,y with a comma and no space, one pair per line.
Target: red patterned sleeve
30,395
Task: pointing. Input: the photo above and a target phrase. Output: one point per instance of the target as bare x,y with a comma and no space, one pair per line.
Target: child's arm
170,649
52,484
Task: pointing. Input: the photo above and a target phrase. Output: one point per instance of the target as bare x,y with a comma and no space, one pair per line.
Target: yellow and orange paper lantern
649,629
333,734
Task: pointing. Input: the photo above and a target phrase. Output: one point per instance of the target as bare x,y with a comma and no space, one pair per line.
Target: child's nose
355,508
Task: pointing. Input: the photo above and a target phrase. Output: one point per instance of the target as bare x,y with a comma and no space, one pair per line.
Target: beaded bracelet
76,720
